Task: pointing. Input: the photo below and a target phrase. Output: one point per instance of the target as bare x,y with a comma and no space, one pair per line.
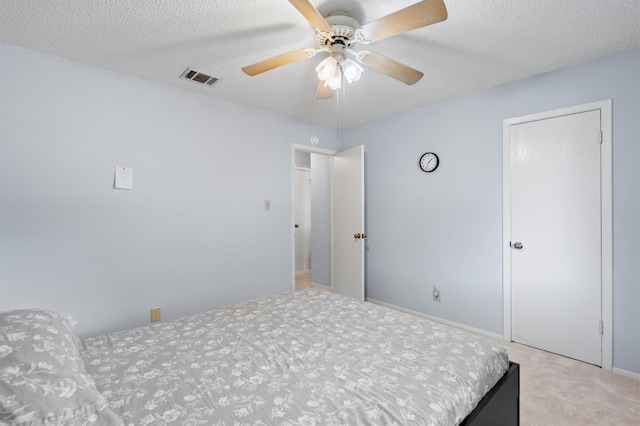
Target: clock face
429,162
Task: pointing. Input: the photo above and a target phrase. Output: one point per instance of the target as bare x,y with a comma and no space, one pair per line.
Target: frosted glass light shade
352,71
327,68
335,82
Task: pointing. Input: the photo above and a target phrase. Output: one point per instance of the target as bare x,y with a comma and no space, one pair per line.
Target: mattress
304,358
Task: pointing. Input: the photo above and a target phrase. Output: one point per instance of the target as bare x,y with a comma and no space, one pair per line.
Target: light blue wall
302,159
183,237
445,228
191,235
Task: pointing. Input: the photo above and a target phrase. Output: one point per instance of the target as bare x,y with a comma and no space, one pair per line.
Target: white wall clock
429,162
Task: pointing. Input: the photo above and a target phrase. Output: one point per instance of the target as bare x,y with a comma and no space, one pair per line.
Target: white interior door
348,233
556,283
302,218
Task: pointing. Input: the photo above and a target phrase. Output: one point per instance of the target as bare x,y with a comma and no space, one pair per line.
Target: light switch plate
124,178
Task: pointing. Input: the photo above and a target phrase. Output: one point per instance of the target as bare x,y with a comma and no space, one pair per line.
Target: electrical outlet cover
155,314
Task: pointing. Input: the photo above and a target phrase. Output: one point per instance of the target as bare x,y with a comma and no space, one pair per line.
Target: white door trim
303,148
606,173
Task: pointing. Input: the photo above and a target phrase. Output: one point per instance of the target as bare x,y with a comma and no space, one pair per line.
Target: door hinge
601,328
600,137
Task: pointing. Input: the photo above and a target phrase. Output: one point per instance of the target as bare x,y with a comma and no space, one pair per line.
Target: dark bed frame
501,405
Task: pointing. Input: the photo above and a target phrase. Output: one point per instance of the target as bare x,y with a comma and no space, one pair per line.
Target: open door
348,233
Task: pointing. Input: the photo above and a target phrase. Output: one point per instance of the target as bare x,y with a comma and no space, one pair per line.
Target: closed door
556,235
348,234
302,218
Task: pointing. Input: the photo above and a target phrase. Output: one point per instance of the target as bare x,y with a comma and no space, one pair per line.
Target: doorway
558,284
343,238
312,219
302,219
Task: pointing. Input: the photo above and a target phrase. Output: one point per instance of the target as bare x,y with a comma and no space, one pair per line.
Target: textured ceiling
482,44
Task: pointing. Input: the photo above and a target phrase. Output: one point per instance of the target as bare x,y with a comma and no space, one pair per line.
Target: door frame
313,150
606,217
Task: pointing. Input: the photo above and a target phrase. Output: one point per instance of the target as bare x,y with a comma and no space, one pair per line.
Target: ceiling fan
339,33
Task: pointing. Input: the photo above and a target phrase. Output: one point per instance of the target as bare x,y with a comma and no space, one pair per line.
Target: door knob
364,235
517,245
296,225
357,236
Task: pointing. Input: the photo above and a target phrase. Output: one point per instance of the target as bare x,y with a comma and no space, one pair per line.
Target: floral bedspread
304,358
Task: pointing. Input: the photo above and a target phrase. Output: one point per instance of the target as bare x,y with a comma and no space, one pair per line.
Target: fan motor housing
342,30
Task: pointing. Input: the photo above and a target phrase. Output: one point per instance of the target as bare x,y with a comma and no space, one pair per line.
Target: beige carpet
555,390
303,281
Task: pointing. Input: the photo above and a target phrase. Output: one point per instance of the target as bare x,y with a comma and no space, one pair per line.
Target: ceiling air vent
198,77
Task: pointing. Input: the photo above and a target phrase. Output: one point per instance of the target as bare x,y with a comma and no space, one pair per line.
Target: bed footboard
501,405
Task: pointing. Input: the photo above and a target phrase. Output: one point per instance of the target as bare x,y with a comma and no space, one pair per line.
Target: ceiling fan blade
419,15
311,14
277,61
401,72
323,92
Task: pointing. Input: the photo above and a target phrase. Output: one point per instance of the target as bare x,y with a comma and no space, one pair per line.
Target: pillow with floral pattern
43,380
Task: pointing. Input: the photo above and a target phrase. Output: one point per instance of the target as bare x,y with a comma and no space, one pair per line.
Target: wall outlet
436,294
267,204
155,314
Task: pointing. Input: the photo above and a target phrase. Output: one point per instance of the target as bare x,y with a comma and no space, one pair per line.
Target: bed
302,358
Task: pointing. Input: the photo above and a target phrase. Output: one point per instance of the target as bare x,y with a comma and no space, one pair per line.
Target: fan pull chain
338,96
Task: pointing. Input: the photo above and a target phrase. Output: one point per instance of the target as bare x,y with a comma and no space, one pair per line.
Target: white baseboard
436,319
322,285
626,373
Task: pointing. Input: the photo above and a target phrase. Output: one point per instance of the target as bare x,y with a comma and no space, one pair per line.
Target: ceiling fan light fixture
327,68
338,33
